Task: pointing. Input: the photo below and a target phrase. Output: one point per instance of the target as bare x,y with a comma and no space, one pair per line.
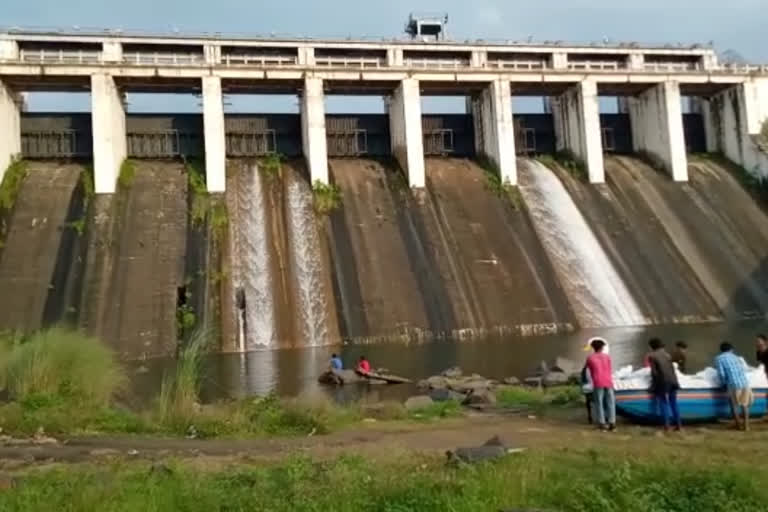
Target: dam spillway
433,238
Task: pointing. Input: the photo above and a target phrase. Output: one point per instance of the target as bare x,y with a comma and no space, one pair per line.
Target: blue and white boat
700,399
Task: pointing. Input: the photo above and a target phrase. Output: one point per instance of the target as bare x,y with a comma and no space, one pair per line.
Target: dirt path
381,441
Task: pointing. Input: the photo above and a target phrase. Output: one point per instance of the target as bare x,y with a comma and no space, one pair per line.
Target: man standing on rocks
601,370
664,384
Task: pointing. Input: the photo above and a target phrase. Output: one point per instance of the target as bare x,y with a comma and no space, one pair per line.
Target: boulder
480,399
437,382
533,381
418,402
555,379
568,366
512,381
445,395
491,449
452,372
465,385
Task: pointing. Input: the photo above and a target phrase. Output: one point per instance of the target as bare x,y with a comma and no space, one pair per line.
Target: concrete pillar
709,61
559,60
479,59
657,127
306,56
9,50
577,127
212,54
213,130
110,147
405,131
494,129
313,129
734,119
112,51
636,61
10,128
395,57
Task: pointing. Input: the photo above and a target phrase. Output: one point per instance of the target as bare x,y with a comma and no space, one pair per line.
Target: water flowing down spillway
252,275
312,302
597,294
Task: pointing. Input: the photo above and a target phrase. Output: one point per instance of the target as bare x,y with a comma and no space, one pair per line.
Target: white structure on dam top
109,63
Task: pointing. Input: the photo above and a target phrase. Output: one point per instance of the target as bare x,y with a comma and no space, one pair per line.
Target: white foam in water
253,262
304,243
597,294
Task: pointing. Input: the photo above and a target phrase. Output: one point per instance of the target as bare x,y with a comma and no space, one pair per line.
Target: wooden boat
383,377
695,405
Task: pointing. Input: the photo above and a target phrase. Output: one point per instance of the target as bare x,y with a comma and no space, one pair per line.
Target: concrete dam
141,227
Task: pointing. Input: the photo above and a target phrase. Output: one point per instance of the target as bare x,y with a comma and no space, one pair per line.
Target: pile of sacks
627,378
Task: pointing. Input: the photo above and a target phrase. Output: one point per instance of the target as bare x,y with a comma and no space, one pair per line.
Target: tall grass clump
179,393
61,364
501,189
271,166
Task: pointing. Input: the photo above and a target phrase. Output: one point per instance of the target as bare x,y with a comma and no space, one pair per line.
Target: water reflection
294,371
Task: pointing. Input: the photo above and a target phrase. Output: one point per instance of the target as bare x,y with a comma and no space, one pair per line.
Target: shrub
326,197
127,174
271,166
60,363
11,184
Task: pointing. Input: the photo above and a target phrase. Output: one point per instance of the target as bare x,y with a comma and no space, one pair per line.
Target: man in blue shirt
733,374
336,363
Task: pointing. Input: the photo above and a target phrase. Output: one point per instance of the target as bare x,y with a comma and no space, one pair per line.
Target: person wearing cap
601,370
587,386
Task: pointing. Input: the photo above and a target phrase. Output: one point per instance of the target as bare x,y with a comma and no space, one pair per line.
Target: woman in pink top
601,371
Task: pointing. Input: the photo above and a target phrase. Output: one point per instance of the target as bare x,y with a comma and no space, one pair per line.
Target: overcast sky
740,25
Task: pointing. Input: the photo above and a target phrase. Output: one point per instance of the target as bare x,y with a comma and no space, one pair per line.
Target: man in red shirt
363,366
601,370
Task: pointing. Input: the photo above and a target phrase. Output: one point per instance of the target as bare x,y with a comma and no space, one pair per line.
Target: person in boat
761,353
601,370
664,384
363,366
336,362
732,371
587,386
680,356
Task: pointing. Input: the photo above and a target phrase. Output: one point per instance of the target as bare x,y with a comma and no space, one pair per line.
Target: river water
290,372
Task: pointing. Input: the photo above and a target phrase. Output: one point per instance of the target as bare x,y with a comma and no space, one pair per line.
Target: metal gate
438,142
55,144
347,142
609,140
251,143
163,144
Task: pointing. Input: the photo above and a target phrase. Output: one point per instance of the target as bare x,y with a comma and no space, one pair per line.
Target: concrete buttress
110,146
213,126
657,127
577,127
405,131
494,128
313,129
10,128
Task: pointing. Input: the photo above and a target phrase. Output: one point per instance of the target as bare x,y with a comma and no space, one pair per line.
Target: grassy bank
66,383
577,480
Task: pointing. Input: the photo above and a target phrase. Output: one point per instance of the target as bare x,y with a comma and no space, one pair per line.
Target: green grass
179,393
567,160
271,166
326,197
567,481
503,190
127,174
204,206
519,396
438,410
